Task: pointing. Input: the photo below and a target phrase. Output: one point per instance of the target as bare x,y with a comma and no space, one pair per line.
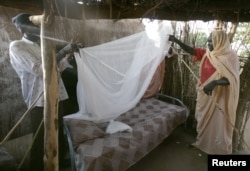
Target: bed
152,120
129,84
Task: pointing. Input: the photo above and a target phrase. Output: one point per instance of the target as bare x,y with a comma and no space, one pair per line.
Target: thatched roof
179,10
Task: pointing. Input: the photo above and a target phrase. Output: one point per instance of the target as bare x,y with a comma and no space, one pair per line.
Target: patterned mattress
152,121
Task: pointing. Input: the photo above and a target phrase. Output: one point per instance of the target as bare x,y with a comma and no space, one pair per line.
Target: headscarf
220,42
226,62
21,19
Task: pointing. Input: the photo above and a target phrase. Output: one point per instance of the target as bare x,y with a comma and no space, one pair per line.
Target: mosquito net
113,77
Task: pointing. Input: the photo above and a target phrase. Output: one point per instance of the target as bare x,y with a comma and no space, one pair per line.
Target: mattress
151,120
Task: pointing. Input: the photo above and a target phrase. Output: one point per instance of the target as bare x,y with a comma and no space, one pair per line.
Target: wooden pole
50,90
243,110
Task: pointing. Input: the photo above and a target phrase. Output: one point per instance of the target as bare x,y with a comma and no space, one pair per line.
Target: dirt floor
173,154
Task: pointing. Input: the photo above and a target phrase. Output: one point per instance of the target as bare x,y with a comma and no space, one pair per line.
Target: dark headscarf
21,19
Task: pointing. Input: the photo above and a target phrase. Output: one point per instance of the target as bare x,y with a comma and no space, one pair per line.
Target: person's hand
170,53
64,63
69,48
209,88
75,47
171,38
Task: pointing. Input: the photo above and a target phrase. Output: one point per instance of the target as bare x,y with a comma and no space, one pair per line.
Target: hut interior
115,19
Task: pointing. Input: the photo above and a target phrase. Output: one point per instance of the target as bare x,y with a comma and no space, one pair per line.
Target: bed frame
152,120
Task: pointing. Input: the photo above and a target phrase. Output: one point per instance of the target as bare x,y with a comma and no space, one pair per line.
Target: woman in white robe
217,94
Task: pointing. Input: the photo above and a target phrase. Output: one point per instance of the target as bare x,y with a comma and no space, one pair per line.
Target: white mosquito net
113,77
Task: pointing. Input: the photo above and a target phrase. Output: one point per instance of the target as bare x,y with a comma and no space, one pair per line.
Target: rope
232,125
192,72
15,126
217,105
179,54
20,120
27,152
181,77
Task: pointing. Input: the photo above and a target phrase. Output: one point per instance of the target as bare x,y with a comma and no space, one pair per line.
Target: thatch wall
12,105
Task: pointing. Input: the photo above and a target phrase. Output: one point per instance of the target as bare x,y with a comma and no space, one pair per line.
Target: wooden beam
29,6
51,162
179,10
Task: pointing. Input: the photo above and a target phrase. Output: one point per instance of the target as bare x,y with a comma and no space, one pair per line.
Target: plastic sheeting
113,77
